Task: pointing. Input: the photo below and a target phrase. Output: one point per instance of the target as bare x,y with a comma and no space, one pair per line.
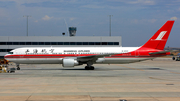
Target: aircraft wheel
86,68
91,68
18,68
173,58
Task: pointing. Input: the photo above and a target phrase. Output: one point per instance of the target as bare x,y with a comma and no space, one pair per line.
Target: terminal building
8,43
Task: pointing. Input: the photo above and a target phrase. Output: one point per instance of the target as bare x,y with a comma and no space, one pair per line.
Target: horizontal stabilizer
162,52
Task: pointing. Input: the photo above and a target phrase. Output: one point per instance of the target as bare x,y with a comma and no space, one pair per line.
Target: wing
93,57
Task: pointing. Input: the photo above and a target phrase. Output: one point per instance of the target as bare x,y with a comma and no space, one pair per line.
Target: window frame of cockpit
10,52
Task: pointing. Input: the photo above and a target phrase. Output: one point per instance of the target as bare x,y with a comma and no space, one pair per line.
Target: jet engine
70,63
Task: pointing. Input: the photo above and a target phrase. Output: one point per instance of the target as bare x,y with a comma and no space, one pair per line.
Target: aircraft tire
86,68
18,68
173,58
91,68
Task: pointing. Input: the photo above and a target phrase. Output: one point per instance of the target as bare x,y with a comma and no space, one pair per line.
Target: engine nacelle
69,63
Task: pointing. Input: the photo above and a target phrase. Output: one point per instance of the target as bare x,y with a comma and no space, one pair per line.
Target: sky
134,20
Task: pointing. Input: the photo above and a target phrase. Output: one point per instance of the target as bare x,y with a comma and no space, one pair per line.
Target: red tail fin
159,39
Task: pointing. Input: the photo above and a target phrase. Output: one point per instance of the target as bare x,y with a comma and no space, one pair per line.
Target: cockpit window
10,52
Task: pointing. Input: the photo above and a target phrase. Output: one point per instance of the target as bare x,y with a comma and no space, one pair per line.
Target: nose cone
6,56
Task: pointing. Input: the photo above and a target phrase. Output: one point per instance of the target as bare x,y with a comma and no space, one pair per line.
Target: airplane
75,56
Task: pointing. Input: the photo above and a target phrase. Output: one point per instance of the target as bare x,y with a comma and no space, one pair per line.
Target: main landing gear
17,65
89,66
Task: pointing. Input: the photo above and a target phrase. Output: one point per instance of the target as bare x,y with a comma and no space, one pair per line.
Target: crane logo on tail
161,35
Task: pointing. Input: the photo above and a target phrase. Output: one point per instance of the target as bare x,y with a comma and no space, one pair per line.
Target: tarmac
157,80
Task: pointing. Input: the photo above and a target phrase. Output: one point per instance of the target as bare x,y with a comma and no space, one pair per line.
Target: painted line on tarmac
175,72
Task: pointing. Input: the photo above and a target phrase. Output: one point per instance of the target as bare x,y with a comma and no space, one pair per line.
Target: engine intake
70,63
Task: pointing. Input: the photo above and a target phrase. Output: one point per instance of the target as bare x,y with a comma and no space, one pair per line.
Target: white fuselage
55,55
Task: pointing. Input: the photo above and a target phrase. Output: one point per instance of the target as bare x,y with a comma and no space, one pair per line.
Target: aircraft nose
6,56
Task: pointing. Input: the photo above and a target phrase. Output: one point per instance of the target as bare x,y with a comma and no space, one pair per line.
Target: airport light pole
27,22
110,24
